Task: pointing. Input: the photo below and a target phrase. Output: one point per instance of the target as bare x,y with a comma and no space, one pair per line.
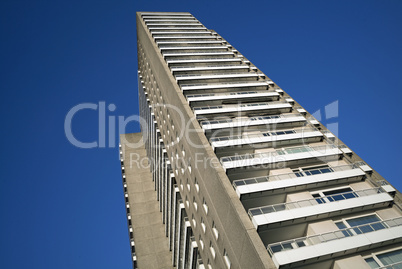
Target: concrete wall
236,232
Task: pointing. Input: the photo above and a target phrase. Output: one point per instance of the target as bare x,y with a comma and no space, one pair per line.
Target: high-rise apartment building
231,172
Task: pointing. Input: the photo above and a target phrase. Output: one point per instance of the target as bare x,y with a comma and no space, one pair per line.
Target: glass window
215,230
318,198
342,196
372,263
226,257
366,224
341,226
391,258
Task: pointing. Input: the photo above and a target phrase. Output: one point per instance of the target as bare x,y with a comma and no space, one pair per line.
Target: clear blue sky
62,206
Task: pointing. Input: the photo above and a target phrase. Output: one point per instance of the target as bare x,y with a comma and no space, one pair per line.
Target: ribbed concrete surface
151,244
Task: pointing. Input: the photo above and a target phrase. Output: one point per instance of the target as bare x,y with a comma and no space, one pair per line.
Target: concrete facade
243,176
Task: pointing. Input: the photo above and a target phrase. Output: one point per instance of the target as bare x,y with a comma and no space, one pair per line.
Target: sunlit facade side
244,176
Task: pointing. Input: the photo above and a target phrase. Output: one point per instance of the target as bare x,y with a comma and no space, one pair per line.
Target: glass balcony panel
276,248
378,226
266,210
256,212
329,237
239,183
262,179
279,207
250,181
363,229
300,243
287,245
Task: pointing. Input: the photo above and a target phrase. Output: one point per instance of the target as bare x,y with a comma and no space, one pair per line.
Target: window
195,204
215,230
211,248
384,259
188,185
197,187
209,265
327,196
311,171
203,224
187,202
364,224
226,258
204,204
372,263
194,221
201,242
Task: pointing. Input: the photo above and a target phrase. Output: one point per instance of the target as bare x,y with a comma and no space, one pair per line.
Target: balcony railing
222,66
397,265
197,86
310,172
209,59
312,202
225,94
268,104
217,75
246,137
192,48
335,235
184,37
248,121
277,153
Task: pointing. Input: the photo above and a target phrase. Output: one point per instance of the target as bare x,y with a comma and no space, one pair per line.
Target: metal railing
262,134
210,66
207,60
269,104
313,201
330,236
195,53
194,47
217,74
397,265
225,94
309,172
228,83
287,151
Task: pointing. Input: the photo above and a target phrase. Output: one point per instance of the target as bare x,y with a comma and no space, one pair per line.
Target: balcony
252,121
166,34
288,155
173,29
185,37
168,17
220,98
184,23
209,68
166,14
317,208
170,20
259,186
319,247
205,86
193,48
198,55
203,61
242,109
265,137
185,43
213,78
